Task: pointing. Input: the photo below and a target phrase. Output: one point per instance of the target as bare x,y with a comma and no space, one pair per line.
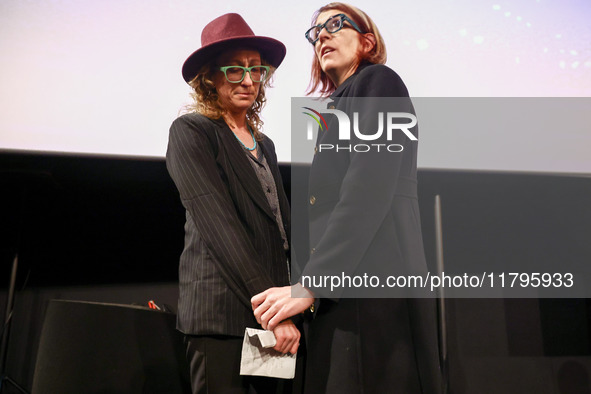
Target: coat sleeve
366,193
191,162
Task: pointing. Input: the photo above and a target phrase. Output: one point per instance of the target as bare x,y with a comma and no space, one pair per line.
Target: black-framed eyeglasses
332,25
235,74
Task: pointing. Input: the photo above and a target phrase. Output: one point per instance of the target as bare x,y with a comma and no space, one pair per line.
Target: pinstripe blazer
233,247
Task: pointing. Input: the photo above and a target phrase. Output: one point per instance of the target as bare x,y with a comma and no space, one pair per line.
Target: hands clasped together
273,309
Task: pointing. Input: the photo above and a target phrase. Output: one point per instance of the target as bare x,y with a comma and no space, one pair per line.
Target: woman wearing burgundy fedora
237,213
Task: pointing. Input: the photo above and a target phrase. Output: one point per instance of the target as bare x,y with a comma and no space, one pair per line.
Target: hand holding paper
258,358
287,337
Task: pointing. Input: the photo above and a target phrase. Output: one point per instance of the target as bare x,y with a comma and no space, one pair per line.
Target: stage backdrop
104,77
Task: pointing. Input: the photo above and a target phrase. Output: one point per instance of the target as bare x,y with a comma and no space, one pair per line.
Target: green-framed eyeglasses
235,74
332,25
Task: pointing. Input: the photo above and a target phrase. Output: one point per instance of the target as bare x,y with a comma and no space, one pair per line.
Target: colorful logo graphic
317,119
388,123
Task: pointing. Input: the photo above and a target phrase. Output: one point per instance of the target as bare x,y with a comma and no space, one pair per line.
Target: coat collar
339,91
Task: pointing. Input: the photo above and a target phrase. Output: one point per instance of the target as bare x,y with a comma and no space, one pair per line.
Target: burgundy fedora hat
231,31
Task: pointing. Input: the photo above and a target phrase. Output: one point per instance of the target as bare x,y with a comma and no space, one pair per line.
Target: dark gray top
261,168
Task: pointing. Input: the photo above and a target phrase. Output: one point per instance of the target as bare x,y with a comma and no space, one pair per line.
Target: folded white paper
260,359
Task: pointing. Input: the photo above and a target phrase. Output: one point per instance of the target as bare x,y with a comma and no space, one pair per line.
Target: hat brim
271,50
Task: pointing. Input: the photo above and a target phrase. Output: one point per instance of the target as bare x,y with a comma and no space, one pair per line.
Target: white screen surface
104,77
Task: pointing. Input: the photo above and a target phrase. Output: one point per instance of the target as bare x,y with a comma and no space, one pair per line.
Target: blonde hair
319,81
206,100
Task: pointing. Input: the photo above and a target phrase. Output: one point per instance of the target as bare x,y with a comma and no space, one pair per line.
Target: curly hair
319,81
206,100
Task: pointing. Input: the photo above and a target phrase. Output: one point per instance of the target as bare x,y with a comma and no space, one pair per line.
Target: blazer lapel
243,169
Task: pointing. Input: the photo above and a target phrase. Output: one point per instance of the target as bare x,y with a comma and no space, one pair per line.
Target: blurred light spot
517,60
559,36
496,7
562,51
562,64
588,64
422,44
573,52
507,14
528,24
545,50
463,32
518,19
575,65
478,39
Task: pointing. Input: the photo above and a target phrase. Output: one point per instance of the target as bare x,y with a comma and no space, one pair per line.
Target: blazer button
315,149
312,200
331,107
312,251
